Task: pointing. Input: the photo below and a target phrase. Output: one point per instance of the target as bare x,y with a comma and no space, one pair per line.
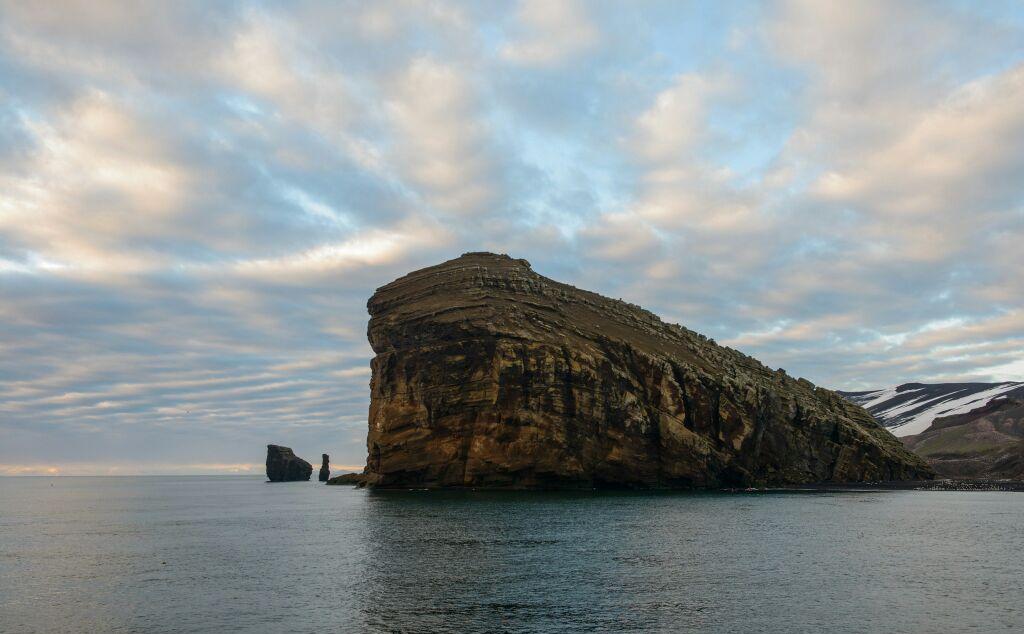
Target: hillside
985,443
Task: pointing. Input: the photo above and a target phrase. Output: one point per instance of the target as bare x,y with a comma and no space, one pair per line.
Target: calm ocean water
202,554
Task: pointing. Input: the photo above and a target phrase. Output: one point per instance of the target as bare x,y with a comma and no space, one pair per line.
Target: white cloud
671,129
442,139
98,177
370,248
266,59
197,200
550,33
935,189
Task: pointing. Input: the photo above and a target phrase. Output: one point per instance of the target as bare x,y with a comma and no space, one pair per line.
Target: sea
237,554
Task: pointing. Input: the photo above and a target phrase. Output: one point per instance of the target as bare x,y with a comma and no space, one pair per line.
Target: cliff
489,375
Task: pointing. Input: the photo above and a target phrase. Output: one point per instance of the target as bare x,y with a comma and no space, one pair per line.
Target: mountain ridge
909,409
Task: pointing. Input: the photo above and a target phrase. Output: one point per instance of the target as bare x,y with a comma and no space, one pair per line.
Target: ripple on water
234,554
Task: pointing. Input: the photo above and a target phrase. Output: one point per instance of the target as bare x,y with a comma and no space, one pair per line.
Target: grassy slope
988,442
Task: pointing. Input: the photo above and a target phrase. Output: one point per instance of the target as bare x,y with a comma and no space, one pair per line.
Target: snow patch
882,396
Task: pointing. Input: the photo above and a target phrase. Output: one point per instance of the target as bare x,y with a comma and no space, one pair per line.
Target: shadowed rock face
489,375
284,466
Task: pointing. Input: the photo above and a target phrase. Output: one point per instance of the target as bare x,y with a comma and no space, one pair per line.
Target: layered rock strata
487,374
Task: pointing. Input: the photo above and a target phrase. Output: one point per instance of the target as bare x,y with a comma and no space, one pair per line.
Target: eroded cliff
489,375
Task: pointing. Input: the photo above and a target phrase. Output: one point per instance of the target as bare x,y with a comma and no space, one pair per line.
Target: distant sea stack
489,375
325,469
284,466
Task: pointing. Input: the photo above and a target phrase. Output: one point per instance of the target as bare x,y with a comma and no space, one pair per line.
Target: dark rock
284,466
347,478
325,470
489,375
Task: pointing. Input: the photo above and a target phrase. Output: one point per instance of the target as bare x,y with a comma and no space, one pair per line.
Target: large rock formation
284,466
325,469
489,375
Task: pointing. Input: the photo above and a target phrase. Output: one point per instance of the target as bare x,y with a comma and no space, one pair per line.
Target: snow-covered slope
910,408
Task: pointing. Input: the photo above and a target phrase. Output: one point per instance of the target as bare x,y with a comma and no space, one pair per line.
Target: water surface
199,554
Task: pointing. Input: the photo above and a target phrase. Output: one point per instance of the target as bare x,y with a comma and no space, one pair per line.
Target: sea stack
487,374
284,466
325,469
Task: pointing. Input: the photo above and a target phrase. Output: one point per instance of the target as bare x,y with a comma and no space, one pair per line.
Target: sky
198,198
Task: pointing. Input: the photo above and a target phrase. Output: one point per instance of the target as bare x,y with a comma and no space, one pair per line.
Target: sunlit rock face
489,375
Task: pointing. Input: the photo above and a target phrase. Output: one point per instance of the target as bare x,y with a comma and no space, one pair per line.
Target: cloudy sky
197,199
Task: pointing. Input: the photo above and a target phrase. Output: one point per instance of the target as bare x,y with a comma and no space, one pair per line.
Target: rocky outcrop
325,469
284,466
487,374
347,478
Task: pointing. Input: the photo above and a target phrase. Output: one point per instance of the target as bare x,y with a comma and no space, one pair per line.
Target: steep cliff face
488,374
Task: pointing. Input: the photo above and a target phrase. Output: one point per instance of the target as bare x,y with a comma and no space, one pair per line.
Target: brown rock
347,478
490,375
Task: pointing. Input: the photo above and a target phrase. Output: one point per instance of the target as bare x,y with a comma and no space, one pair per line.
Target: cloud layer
197,199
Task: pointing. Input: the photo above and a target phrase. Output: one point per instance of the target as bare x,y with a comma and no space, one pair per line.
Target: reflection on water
233,553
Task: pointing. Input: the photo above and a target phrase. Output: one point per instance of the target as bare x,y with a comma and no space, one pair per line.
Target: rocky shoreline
353,479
